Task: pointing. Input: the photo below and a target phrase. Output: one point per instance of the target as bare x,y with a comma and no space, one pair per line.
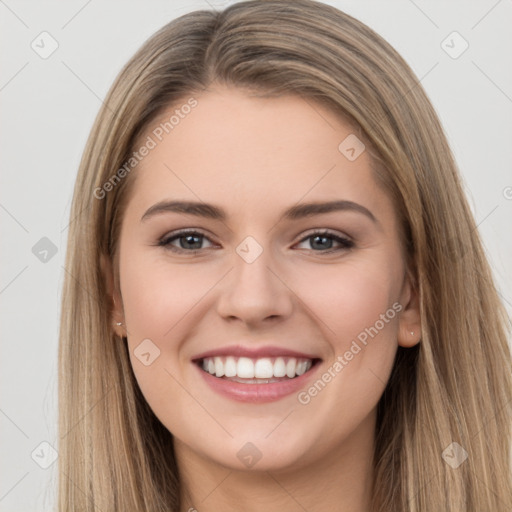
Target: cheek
158,295
158,300
357,309
161,301
350,298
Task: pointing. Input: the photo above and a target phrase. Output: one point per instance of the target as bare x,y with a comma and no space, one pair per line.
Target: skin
256,157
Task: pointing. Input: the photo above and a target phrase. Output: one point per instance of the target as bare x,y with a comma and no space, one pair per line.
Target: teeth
301,368
279,367
230,367
245,368
291,365
263,368
219,367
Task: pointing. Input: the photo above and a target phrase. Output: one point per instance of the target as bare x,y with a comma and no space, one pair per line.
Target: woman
267,304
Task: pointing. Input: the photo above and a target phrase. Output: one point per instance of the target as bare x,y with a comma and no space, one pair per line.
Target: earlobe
409,328
409,338
113,296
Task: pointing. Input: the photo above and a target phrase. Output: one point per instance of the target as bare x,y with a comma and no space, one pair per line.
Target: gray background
48,107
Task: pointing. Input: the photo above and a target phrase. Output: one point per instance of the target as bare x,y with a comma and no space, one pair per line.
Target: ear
409,324
113,297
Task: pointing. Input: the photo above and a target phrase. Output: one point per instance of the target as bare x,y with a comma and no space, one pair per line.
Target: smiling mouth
264,370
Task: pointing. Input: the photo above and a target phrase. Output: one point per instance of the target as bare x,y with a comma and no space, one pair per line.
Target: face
262,320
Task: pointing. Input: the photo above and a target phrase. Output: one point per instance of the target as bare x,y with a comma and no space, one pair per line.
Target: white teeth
219,367
262,368
290,368
245,368
230,367
279,367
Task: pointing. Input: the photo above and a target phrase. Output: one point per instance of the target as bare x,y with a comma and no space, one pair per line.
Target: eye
188,241
324,240
191,241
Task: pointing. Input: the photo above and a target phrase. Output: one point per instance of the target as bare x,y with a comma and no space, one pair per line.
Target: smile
256,376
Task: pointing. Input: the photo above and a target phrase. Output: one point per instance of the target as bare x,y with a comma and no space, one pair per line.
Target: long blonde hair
455,386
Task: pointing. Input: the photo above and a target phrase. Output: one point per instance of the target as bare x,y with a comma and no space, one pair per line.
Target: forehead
251,151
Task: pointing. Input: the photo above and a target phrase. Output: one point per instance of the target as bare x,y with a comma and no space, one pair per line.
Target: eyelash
345,243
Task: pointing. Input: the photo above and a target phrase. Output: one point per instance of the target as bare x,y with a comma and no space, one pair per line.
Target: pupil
189,239
323,239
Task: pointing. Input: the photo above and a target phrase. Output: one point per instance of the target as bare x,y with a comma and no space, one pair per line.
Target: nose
255,293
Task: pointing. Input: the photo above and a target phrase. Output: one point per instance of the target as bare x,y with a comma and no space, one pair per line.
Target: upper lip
253,352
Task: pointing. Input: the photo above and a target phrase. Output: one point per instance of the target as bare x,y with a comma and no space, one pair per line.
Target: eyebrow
299,211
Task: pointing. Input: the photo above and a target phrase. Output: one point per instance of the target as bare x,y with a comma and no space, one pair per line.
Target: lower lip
257,393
